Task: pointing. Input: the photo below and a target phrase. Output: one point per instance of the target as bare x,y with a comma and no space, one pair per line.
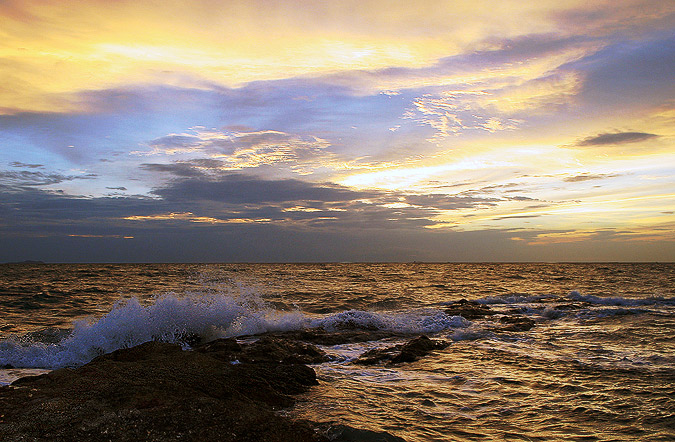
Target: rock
408,352
322,337
272,349
266,349
469,309
344,433
516,323
158,392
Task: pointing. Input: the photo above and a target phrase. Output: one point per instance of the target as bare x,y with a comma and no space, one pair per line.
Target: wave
169,319
619,301
574,295
515,299
409,322
197,318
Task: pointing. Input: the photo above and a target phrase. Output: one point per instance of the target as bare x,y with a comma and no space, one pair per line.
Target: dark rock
516,323
268,349
225,345
158,392
408,352
322,337
344,433
469,309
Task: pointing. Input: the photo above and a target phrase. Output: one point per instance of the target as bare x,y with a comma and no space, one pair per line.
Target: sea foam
619,301
169,319
188,319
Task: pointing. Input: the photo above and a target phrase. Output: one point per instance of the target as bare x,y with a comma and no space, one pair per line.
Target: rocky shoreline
223,390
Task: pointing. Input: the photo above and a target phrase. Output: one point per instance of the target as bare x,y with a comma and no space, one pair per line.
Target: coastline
158,391
223,390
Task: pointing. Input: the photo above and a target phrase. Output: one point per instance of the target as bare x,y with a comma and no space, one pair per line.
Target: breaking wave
191,319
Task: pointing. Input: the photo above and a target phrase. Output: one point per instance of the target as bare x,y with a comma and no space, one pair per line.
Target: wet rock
344,433
516,323
408,352
469,309
323,337
268,349
158,392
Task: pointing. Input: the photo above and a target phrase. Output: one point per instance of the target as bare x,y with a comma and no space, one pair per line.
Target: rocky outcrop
408,352
267,349
469,309
221,391
321,336
516,323
344,433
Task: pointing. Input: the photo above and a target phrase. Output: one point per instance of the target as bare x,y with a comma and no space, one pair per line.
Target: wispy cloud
589,176
29,166
28,178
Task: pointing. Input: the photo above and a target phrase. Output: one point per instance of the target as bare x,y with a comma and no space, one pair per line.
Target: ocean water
599,364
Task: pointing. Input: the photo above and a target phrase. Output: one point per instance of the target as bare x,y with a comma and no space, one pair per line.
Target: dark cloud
122,188
29,166
215,203
51,226
180,169
28,178
206,163
35,210
616,138
240,189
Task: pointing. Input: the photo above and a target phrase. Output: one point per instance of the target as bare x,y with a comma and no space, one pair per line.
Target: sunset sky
337,130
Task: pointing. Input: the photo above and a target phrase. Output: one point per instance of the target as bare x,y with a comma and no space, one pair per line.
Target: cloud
28,178
224,203
235,150
516,217
180,169
30,166
243,189
634,72
33,209
447,202
589,176
175,143
616,138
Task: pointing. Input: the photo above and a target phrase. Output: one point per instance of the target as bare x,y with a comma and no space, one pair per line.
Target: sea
598,365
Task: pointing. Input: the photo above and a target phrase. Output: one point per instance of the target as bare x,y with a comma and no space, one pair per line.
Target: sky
370,130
